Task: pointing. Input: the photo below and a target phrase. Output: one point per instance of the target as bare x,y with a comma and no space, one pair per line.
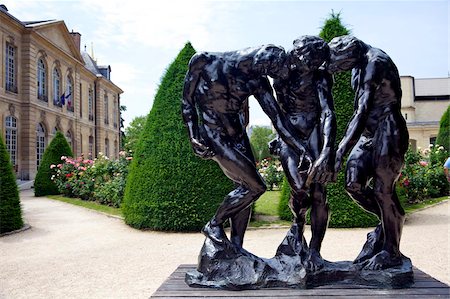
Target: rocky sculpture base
223,266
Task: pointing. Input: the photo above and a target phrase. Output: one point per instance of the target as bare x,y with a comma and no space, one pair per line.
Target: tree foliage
58,147
344,212
443,137
168,187
133,131
259,140
10,212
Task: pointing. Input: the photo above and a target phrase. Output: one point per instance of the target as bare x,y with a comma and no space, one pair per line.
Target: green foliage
284,212
259,140
10,212
443,137
168,187
272,172
423,176
344,211
133,131
102,180
58,147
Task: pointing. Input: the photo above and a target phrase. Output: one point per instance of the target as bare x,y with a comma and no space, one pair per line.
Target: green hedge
168,187
43,184
10,212
443,137
344,211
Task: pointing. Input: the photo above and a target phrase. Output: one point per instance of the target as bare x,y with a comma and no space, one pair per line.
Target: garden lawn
88,204
267,204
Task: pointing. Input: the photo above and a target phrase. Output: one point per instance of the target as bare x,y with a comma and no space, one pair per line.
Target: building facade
424,101
47,85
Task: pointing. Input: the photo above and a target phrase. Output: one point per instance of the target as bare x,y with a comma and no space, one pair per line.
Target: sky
139,39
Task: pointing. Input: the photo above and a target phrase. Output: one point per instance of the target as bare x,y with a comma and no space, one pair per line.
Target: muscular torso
382,76
298,100
223,90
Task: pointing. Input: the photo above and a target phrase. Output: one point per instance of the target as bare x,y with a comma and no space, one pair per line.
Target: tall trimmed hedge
43,184
344,211
443,137
10,212
168,187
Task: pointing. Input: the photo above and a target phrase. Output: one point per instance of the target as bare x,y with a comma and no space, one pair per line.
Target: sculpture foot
382,260
371,247
314,261
215,233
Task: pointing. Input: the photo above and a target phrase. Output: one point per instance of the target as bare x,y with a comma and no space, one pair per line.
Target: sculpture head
308,54
346,52
271,60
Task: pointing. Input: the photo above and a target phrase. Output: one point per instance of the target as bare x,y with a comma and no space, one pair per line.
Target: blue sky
139,39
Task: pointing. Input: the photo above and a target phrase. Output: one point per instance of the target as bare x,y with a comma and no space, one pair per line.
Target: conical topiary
168,187
10,212
344,211
58,147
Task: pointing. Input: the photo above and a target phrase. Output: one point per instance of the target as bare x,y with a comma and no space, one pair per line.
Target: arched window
41,81
69,139
11,138
107,147
115,114
91,104
54,131
56,88
69,94
40,143
106,108
91,146
11,67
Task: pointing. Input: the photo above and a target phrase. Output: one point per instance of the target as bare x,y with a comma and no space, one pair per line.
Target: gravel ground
72,252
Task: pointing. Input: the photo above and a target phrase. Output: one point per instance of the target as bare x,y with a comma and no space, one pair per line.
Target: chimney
76,39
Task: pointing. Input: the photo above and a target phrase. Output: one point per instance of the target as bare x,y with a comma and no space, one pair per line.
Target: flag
63,99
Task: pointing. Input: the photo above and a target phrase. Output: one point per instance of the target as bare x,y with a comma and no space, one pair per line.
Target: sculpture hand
274,147
201,150
320,172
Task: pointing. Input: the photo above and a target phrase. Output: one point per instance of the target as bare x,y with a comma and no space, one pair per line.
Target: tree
122,108
168,187
43,184
259,140
443,137
344,211
133,131
10,212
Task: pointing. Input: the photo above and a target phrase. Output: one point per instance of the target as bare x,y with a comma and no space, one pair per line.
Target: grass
88,205
267,204
418,206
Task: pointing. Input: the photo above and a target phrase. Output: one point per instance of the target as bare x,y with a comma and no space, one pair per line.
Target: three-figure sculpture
215,111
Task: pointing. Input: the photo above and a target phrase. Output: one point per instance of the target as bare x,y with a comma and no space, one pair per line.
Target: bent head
309,53
271,60
346,52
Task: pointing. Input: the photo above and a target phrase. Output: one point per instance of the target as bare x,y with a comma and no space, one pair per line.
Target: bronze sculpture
305,98
379,137
215,111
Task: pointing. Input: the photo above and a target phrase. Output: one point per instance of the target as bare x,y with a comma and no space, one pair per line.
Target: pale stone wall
30,111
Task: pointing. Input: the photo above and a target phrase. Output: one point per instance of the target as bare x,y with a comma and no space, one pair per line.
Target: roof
90,63
432,87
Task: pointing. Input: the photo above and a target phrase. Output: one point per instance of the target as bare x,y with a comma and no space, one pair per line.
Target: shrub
443,137
423,175
58,147
272,172
284,212
10,212
168,187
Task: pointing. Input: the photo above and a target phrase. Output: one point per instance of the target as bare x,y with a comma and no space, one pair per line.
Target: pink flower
59,165
129,158
406,182
52,166
423,163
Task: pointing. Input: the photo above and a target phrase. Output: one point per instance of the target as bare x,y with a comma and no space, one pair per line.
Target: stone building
424,102
47,85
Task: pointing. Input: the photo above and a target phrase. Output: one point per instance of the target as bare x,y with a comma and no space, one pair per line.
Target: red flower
69,175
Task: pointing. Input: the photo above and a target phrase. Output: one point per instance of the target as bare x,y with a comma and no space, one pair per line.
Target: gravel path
72,252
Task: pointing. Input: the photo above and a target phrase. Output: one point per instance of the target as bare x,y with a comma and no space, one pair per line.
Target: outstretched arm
363,102
264,95
188,108
323,168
